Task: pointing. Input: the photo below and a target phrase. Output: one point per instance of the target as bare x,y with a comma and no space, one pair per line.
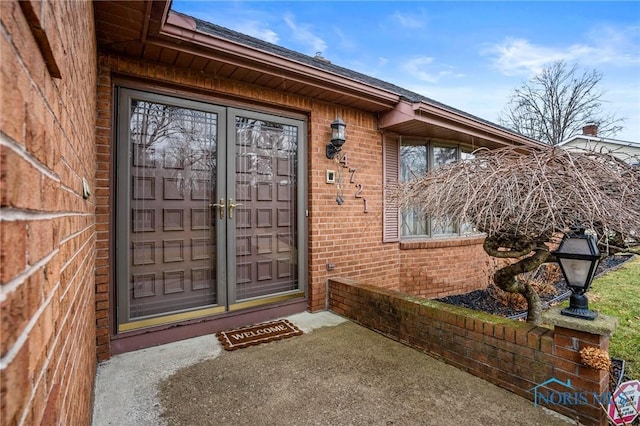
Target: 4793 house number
344,162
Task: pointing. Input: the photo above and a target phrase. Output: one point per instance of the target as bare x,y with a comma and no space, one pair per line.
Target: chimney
590,129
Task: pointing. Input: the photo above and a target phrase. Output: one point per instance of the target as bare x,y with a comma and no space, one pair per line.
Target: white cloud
603,45
408,21
616,46
484,102
304,35
518,56
624,103
424,69
345,42
257,30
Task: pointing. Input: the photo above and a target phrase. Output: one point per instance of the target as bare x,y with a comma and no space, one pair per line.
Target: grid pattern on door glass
265,185
172,230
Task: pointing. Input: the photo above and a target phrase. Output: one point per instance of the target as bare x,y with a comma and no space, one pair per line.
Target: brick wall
344,240
511,354
344,236
104,219
47,235
442,267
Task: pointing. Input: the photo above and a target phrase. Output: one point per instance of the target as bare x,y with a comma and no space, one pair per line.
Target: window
416,158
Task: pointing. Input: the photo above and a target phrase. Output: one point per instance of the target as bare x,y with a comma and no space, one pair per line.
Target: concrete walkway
336,373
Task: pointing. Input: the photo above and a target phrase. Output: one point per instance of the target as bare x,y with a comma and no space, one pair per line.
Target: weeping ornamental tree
524,200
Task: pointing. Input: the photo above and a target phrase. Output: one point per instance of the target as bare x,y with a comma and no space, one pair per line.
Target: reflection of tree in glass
413,162
444,155
261,143
413,165
182,140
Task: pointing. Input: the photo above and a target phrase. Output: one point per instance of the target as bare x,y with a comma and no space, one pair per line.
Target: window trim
430,144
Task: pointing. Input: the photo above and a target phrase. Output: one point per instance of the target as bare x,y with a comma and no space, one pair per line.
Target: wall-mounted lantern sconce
338,128
578,256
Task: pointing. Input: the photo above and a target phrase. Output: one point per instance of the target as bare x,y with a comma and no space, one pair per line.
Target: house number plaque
359,188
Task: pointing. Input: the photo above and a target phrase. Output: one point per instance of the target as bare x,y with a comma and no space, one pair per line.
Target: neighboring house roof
598,139
625,150
151,31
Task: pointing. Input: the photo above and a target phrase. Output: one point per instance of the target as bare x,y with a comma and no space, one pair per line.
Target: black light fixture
578,256
338,130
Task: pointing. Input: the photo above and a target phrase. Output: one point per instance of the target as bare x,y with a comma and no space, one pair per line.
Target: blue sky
468,55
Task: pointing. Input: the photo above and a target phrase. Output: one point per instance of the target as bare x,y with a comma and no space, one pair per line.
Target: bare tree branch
522,202
555,104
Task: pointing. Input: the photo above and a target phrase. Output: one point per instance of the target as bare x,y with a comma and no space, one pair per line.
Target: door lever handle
231,206
220,206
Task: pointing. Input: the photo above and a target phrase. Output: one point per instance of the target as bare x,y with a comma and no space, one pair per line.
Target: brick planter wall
514,355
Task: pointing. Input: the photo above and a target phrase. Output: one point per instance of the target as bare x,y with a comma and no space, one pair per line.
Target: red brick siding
47,234
439,268
343,236
104,219
514,355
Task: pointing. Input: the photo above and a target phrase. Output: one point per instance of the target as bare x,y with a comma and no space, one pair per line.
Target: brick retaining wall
514,355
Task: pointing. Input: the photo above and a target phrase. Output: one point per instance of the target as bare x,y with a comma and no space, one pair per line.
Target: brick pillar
570,336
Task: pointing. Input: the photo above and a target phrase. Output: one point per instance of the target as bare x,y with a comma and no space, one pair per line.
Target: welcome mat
256,334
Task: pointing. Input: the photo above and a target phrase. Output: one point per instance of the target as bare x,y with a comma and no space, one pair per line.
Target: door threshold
167,333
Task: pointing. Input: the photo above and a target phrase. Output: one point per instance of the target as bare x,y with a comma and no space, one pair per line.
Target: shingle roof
244,39
228,34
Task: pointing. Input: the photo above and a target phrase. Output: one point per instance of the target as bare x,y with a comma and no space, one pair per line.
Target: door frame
226,113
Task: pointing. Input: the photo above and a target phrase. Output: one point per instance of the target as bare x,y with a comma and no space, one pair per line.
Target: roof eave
182,30
406,112
165,28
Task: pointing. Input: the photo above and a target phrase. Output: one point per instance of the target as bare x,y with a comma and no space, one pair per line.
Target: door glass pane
172,229
265,222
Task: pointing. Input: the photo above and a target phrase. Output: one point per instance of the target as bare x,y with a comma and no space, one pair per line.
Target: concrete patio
336,373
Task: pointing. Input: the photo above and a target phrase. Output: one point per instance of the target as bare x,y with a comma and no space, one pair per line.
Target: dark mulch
483,300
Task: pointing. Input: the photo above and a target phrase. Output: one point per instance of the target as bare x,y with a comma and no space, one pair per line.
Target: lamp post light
578,256
338,137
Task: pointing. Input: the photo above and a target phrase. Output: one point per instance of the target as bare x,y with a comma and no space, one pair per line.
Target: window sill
467,240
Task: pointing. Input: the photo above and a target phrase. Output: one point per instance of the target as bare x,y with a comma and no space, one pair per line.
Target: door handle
231,206
220,206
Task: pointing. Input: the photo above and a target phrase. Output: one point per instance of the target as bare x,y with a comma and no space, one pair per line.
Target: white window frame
428,223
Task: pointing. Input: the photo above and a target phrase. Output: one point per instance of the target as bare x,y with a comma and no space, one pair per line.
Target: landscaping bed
552,288
550,284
